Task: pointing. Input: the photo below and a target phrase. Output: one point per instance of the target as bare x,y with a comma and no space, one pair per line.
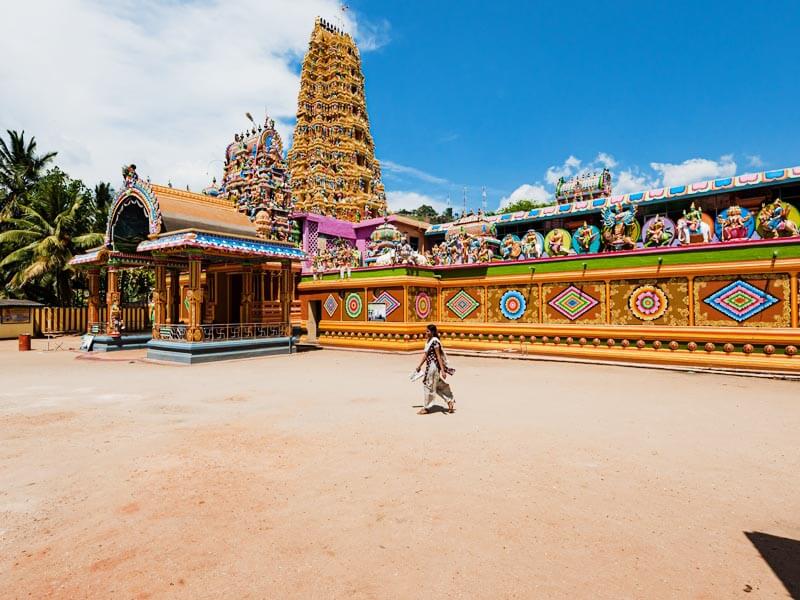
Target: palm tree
47,230
20,169
103,196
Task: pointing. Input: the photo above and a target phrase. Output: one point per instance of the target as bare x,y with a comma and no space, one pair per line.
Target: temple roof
187,210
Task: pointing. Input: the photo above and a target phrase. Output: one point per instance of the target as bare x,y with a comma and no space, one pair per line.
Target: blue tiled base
128,341
190,353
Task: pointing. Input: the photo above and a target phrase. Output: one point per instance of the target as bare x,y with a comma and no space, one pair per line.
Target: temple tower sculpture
256,180
332,159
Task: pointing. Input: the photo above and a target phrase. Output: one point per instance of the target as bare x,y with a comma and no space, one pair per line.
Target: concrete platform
126,341
200,352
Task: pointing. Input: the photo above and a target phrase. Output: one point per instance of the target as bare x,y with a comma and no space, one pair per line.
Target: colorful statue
658,231
510,248
774,220
620,229
586,239
532,244
558,242
692,226
734,224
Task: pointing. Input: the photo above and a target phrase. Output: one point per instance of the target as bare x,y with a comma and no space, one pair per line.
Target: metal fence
226,331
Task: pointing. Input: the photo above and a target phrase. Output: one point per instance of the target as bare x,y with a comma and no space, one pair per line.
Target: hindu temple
300,247
332,159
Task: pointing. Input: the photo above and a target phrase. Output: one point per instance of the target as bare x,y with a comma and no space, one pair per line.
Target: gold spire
332,159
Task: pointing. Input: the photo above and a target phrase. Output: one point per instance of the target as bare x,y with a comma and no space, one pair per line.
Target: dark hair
433,331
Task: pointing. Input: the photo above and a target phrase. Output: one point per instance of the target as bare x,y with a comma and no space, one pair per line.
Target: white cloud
695,169
632,180
164,85
393,167
605,160
754,160
534,193
399,200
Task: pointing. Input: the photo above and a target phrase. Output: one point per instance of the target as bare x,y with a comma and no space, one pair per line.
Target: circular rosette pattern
648,303
353,305
422,305
512,305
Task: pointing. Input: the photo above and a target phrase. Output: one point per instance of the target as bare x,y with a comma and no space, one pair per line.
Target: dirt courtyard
312,476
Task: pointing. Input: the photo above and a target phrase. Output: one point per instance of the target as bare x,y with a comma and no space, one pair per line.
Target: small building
223,262
16,317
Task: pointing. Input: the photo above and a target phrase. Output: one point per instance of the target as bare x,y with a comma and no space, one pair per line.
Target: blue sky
496,93
507,95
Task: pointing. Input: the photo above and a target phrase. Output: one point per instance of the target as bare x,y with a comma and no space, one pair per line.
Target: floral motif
648,303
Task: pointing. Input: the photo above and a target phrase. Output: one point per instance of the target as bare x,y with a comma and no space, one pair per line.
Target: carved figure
657,234
692,225
774,222
619,226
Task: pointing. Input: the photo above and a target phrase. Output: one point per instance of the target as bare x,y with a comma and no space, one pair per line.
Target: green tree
426,213
20,169
521,205
52,224
103,196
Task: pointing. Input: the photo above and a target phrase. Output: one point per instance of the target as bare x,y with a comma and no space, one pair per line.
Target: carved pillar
93,315
286,294
194,298
246,308
113,299
159,300
172,291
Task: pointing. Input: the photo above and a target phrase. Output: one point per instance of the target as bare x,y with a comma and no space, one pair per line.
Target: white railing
226,331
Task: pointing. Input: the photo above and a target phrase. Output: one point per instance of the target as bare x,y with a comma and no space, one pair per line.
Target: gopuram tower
332,159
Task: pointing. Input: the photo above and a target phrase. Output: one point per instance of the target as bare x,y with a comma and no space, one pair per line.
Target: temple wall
735,309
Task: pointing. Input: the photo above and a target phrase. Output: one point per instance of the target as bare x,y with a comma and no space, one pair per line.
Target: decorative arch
135,192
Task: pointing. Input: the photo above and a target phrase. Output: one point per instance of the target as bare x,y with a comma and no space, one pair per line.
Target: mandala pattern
512,305
573,302
422,305
740,300
353,305
331,304
390,301
648,303
462,304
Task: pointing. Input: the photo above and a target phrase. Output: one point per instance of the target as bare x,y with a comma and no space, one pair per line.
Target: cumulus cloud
554,173
162,84
754,160
534,193
632,180
402,200
695,169
606,160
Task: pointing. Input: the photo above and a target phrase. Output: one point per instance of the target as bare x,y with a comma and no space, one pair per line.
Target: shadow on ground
783,557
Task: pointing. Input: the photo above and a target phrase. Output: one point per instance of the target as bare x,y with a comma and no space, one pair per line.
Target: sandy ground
311,476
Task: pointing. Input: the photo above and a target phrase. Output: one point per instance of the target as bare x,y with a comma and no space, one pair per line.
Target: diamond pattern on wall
573,302
740,300
462,304
390,301
331,304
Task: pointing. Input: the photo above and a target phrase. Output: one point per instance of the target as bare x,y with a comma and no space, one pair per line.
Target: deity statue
619,226
531,245
657,233
584,237
774,222
129,175
558,245
692,225
511,248
734,224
